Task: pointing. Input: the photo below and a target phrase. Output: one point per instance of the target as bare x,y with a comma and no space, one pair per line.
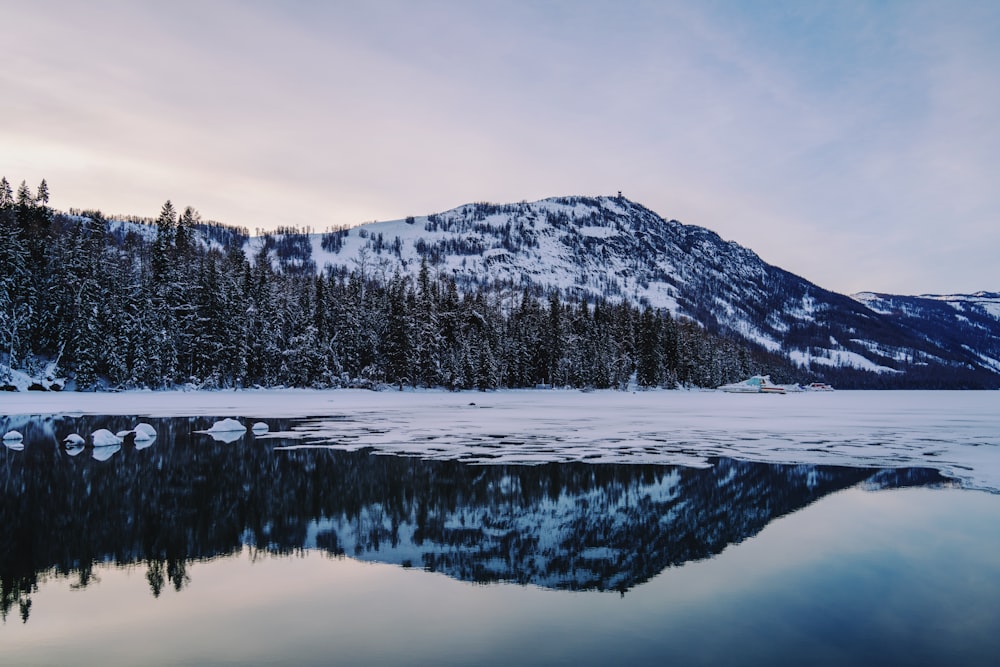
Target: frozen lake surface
524,527
955,432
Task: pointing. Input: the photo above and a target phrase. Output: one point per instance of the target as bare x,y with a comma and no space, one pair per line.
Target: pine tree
14,311
185,230
166,225
396,349
42,197
24,198
6,195
648,371
427,340
552,347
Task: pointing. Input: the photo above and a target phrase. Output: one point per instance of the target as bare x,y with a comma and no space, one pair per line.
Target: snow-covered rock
145,435
74,443
227,425
226,430
102,437
17,380
225,436
14,440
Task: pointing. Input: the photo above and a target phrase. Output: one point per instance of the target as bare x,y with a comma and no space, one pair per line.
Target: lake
542,528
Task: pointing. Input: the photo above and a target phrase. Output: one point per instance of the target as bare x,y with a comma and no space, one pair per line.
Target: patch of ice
13,436
260,427
955,432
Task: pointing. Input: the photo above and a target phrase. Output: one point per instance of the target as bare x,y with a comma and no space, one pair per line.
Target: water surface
192,550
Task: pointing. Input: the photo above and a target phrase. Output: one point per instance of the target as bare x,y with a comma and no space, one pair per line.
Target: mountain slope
613,248
959,321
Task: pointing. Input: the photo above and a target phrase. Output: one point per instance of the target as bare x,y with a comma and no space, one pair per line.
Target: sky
855,144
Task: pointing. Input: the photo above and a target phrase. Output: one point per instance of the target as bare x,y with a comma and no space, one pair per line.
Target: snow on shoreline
955,432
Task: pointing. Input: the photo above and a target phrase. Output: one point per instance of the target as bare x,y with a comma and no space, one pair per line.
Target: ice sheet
957,433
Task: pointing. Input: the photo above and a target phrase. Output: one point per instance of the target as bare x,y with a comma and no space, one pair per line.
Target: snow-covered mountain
616,249
958,321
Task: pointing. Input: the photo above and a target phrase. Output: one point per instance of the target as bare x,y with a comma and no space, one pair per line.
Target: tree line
162,307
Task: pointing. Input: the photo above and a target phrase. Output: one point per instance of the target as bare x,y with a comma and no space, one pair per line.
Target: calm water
197,551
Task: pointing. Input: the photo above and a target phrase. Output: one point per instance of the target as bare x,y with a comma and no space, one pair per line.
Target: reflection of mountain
569,526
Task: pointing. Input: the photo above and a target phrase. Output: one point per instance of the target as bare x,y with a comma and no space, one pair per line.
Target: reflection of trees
187,498
159,572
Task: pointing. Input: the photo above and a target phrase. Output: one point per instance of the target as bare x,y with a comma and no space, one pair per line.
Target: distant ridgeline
582,292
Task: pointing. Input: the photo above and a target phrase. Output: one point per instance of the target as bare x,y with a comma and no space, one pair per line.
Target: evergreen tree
427,339
6,195
649,367
24,198
166,226
42,196
14,278
396,348
185,230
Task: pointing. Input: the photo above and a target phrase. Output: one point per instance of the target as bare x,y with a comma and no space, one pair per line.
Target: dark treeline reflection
187,497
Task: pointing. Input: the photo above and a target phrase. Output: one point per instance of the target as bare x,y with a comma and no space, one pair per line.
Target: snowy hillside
970,322
614,249
579,246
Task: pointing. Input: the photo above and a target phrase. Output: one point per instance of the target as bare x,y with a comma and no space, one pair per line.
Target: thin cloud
850,143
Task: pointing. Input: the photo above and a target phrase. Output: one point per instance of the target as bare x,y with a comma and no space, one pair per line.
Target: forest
177,302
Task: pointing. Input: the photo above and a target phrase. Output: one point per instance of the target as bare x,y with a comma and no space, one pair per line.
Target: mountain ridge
579,291
610,248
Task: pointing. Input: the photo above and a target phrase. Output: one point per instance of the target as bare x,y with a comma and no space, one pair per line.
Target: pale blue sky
853,143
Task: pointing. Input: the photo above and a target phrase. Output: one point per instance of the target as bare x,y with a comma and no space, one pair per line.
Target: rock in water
102,437
227,425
